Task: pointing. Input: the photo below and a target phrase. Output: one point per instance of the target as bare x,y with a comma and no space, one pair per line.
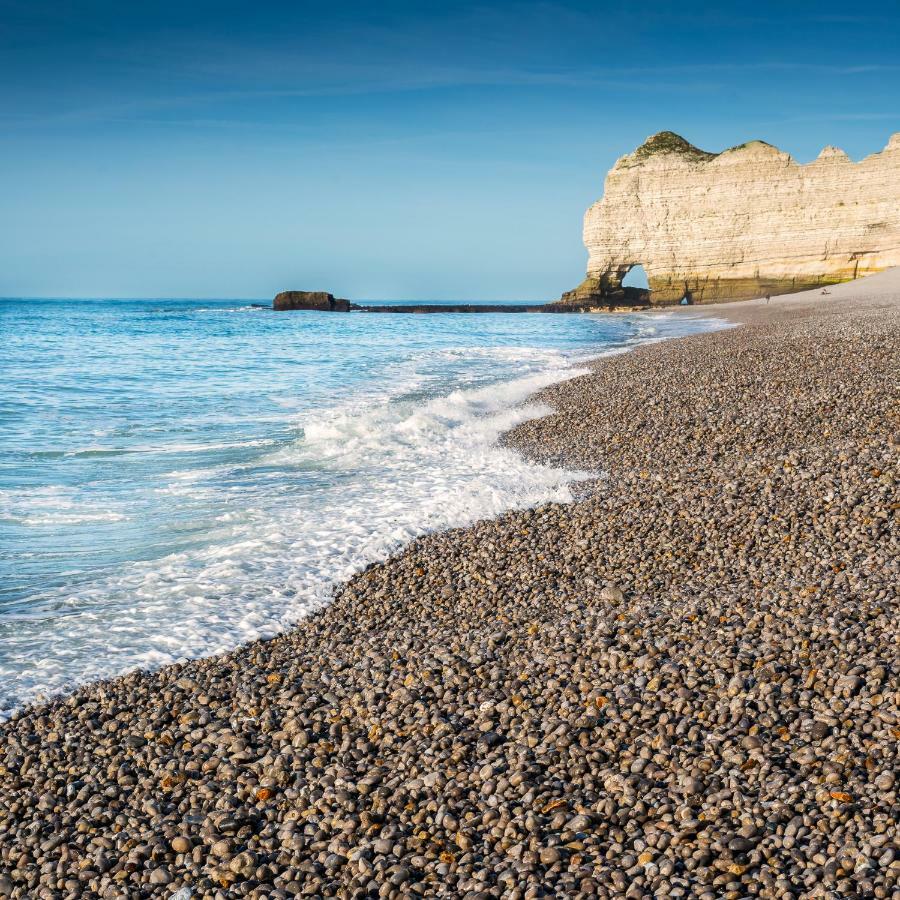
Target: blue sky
420,150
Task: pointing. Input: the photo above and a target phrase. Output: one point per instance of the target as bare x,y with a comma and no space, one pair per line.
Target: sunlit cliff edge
743,223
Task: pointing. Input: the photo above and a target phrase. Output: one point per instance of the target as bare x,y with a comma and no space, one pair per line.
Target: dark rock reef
315,300
596,293
319,301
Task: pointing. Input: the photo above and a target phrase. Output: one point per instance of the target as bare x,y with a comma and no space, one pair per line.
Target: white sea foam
395,469
326,481
54,506
83,518
175,447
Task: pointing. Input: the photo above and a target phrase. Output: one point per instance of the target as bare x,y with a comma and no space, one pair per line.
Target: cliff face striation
743,223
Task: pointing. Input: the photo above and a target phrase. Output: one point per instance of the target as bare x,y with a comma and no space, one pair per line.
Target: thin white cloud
350,80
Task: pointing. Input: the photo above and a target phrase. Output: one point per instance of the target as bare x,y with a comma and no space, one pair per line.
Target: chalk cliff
742,223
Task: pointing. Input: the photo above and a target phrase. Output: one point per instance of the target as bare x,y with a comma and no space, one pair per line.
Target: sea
178,477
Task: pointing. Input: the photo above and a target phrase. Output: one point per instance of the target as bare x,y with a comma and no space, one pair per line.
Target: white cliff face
742,223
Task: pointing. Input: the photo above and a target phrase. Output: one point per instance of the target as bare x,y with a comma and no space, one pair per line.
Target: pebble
160,876
885,781
682,684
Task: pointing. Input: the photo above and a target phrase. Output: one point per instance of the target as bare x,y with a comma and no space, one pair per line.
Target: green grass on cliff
669,142
749,144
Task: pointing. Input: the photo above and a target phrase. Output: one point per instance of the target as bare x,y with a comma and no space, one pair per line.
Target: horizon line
263,299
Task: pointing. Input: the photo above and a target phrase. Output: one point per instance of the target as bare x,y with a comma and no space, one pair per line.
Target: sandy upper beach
684,684
874,292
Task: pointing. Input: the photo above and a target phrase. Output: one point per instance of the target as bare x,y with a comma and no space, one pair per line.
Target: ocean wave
54,505
411,469
55,519
176,447
285,462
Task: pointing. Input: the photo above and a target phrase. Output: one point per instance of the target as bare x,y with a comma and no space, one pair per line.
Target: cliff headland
747,222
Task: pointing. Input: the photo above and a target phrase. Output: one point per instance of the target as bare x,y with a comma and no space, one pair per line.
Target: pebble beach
683,684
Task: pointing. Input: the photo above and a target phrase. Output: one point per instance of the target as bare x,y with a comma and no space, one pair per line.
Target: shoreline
507,481
575,699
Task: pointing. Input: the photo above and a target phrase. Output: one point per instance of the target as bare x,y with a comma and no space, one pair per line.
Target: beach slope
684,684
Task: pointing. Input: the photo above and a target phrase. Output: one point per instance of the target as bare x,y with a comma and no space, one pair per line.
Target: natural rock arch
636,276
743,223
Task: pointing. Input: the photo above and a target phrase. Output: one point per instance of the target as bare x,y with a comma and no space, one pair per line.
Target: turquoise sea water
178,477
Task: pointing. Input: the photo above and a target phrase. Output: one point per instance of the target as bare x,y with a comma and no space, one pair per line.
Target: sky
391,149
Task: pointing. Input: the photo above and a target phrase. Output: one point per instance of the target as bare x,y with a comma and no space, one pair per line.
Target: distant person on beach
768,297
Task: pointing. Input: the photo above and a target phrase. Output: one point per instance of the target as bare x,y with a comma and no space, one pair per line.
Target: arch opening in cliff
609,290
636,277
